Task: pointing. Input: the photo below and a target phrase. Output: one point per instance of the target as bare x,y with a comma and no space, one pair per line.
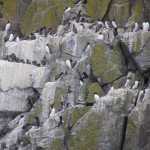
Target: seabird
106,25
96,97
53,112
128,83
68,63
140,96
111,89
17,39
8,26
136,27
81,83
67,9
114,24
136,84
87,48
11,37
145,26
21,121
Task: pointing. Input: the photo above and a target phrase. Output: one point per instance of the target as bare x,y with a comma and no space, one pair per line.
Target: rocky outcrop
84,87
50,11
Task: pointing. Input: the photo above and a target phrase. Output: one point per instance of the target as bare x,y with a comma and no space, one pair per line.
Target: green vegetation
58,95
35,113
9,9
87,137
97,8
57,144
106,63
137,11
91,89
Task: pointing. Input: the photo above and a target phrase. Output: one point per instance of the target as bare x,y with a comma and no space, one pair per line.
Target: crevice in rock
124,129
129,60
107,11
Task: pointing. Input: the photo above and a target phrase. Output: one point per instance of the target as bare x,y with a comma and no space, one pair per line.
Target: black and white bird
53,112
114,24
67,9
11,37
17,39
107,25
100,23
140,96
21,121
146,26
68,64
81,83
96,97
7,27
136,27
135,86
111,89
128,83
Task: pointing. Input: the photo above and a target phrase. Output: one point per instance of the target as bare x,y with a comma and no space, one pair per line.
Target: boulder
101,127
107,63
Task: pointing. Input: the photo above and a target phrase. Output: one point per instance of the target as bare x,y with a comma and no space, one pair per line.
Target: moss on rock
58,96
91,89
36,112
9,9
137,11
106,63
119,11
48,12
57,144
87,137
97,8
131,135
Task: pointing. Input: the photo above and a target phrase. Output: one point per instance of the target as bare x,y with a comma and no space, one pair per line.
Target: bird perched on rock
7,27
68,63
81,83
140,96
107,25
96,97
17,39
145,26
111,89
100,23
136,84
114,24
21,121
67,9
11,37
128,83
136,27
53,112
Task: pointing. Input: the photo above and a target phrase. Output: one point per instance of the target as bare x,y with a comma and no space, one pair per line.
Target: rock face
50,11
82,86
